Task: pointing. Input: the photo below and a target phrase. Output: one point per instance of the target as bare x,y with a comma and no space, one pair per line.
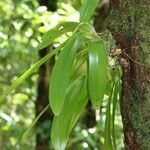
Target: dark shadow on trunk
44,122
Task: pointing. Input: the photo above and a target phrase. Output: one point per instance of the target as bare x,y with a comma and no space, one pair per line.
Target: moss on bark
128,22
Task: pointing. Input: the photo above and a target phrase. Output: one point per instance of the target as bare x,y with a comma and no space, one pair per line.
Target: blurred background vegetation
22,23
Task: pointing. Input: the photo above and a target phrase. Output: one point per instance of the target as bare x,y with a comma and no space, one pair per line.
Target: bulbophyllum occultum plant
81,72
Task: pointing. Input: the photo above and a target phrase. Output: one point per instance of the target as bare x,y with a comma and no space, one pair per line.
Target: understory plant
81,72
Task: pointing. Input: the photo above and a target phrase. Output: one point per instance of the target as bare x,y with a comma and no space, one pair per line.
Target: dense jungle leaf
56,32
87,10
97,72
61,74
75,101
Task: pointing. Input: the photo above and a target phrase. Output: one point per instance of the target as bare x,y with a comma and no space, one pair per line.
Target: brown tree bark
44,122
135,106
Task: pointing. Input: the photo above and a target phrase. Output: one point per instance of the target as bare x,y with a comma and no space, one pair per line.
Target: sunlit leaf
97,72
19,98
61,74
75,101
87,9
56,32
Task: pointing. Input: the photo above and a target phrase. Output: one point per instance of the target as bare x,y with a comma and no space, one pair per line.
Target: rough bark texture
135,103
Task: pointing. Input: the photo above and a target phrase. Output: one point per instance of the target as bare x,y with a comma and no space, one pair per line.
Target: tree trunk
125,25
44,122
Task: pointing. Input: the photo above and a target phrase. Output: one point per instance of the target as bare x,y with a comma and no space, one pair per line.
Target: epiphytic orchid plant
79,74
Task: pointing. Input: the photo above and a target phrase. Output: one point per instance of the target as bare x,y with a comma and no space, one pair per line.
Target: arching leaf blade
56,32
114,102
87,9
26,133
35,66
97,72
108,133
115,99
61,73
75,101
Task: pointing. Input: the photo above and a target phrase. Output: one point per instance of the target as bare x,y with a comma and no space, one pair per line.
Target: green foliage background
21,25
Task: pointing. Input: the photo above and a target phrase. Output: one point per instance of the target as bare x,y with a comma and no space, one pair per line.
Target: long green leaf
87,9
61,74
56,32
107,138
18,81
75,101
116,97
114,102
97,74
